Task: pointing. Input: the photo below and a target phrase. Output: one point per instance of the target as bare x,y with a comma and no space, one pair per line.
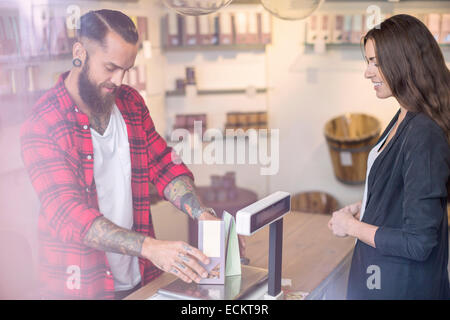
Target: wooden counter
313,259
252,276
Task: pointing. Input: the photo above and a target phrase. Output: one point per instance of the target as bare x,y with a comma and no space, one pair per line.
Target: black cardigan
407,200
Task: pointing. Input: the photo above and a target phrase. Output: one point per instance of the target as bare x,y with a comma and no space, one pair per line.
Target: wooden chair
314,202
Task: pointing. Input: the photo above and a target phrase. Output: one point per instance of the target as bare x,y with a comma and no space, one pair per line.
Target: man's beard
91,93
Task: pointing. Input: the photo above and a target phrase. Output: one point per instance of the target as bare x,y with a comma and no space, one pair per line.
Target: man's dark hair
96,24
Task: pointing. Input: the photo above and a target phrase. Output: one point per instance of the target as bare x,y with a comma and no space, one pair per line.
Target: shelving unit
386,1
337,46
247,92
239,137
200,92
343,28
233,47
26,54
19,61
37,52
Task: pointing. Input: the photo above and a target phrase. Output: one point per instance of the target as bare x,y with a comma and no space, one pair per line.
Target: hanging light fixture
291,9
196,7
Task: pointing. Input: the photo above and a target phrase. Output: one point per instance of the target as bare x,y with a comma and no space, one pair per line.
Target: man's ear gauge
77,62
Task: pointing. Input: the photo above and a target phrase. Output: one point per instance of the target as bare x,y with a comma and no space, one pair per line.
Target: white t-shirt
373,155
112,174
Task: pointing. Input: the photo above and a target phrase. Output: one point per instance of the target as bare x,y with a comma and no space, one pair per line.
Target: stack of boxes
186,121
229,27
246,120
349,28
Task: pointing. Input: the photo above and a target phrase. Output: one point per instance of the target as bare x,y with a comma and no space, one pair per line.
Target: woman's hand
341,221
355,209
345,222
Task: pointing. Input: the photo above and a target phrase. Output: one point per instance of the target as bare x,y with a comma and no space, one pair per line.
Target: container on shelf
253,120
262,117
190,76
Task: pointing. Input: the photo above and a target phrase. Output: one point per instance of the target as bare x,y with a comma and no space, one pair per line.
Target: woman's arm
363,232
344,223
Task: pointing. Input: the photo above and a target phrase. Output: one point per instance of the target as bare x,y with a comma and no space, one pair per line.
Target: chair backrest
16,266
314,202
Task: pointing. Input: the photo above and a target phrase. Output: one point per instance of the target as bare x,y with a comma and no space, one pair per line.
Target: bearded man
91,149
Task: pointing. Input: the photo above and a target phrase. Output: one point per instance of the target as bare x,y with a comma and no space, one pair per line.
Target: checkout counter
315,262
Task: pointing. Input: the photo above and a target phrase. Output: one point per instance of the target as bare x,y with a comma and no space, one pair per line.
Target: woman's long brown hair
413,66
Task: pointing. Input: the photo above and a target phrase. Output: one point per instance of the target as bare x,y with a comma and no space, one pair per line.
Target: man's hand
176,257
171,256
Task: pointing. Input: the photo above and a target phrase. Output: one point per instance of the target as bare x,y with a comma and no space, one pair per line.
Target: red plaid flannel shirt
58,154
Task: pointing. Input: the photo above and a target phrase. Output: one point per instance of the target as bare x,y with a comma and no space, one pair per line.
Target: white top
373,155
112,174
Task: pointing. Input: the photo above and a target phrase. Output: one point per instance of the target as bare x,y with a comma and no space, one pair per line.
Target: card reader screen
269,214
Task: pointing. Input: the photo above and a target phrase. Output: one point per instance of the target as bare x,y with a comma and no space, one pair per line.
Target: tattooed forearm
181,193
107,236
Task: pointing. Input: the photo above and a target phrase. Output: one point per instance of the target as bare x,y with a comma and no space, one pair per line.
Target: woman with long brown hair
401,224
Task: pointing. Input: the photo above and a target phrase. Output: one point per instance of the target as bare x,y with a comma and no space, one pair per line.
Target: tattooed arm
175,257
181,193
106,236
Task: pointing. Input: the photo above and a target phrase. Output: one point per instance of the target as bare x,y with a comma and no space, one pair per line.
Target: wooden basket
350,138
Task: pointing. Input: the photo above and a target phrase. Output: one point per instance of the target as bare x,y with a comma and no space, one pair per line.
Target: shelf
180,93
116,0
337,45
246,2
33,60
232,47
387,1
357,45
224,137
